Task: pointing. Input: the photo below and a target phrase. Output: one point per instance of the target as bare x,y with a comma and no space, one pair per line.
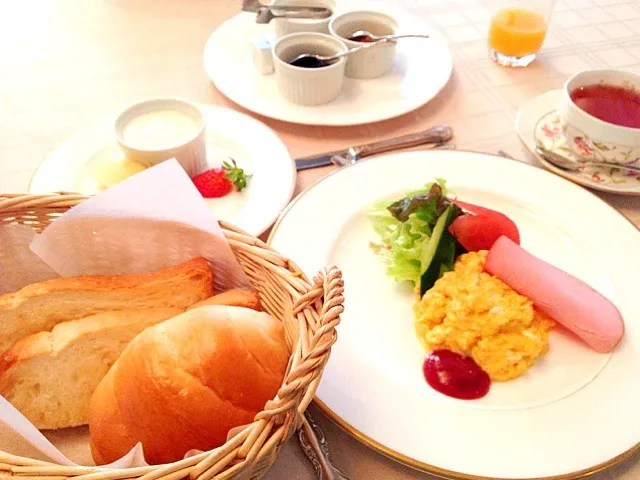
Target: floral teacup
592,138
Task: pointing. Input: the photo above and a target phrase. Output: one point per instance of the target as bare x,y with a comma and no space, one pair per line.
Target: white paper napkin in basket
152,220
19,266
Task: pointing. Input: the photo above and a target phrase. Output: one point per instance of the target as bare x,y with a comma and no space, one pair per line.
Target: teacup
371,62
286,26
591,137
152,131
308,86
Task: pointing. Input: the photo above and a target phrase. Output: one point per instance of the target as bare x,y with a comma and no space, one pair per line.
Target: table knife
434,135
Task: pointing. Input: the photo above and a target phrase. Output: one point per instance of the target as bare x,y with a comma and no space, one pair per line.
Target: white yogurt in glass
152,131
159,130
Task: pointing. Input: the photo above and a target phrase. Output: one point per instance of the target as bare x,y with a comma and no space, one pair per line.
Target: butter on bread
50,376
40,306
236,297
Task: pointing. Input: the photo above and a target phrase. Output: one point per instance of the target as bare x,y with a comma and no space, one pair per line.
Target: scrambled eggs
473,313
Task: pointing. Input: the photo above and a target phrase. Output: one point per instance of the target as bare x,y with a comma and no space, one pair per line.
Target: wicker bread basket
310,312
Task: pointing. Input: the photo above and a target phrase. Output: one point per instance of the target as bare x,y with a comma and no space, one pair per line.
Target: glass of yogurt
152,131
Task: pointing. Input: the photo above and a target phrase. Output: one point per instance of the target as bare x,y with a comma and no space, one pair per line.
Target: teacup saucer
68,168
421,70
538,123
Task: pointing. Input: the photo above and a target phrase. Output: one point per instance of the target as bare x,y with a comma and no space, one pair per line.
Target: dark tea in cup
609,103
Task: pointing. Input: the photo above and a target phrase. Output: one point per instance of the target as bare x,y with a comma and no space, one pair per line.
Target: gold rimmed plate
572,414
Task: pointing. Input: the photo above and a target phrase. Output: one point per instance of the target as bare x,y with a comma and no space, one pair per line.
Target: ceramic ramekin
308,86
591,137
190,153
371,62
286,26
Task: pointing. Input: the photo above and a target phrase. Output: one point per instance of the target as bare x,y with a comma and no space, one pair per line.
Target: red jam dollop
455,376
362,38
609,103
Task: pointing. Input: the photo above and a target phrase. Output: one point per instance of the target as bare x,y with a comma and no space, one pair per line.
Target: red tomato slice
480,231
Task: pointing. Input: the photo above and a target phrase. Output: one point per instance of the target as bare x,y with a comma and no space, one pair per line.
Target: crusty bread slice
237,297
50,376
40,306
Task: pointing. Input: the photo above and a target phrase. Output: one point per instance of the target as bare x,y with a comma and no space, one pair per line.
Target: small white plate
538,121
421,69
254,146
574,412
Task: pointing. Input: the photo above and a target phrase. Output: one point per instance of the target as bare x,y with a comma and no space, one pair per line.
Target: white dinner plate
574,412
229,134
421,69
540,112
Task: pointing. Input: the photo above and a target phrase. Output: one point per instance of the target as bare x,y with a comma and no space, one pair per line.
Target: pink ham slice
569,301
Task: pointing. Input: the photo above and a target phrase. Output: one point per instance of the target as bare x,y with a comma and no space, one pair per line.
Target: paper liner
19,266
152,220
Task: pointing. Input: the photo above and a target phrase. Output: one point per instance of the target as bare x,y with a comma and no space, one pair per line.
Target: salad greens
440,252
406,228
431,203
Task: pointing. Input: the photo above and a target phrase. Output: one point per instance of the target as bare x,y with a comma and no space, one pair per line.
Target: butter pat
262,56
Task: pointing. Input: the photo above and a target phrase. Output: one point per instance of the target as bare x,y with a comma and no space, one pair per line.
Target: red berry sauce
362,38
455,376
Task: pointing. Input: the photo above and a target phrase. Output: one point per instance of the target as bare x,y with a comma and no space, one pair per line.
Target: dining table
66,63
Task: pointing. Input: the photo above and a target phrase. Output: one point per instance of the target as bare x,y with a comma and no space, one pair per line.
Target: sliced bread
236,297
40,306
50,376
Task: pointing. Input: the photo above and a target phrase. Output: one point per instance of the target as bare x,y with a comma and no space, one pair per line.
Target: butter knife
434,135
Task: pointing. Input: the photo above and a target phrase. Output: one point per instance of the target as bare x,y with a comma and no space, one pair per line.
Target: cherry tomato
481,230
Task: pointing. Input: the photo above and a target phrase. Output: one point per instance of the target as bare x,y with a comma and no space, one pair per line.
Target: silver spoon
375,38
565,163
329,59
266,14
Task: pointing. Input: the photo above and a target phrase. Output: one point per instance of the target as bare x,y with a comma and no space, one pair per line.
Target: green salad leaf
429,204
440,252
403,242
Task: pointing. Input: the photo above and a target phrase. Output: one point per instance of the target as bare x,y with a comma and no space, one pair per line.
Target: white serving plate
254,146
573,413
421,69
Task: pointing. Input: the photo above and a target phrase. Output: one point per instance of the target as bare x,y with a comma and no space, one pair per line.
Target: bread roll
184,383
237,297
50,376
40,306
107,427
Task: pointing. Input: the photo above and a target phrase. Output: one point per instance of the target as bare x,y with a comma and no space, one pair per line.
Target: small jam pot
371,62
304,85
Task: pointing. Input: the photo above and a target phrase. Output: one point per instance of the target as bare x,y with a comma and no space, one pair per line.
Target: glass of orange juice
517,31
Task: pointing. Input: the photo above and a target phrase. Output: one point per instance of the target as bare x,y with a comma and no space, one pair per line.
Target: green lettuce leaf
402,243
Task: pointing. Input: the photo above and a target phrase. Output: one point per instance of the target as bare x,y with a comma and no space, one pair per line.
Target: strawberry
218,182
235,174
212,183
